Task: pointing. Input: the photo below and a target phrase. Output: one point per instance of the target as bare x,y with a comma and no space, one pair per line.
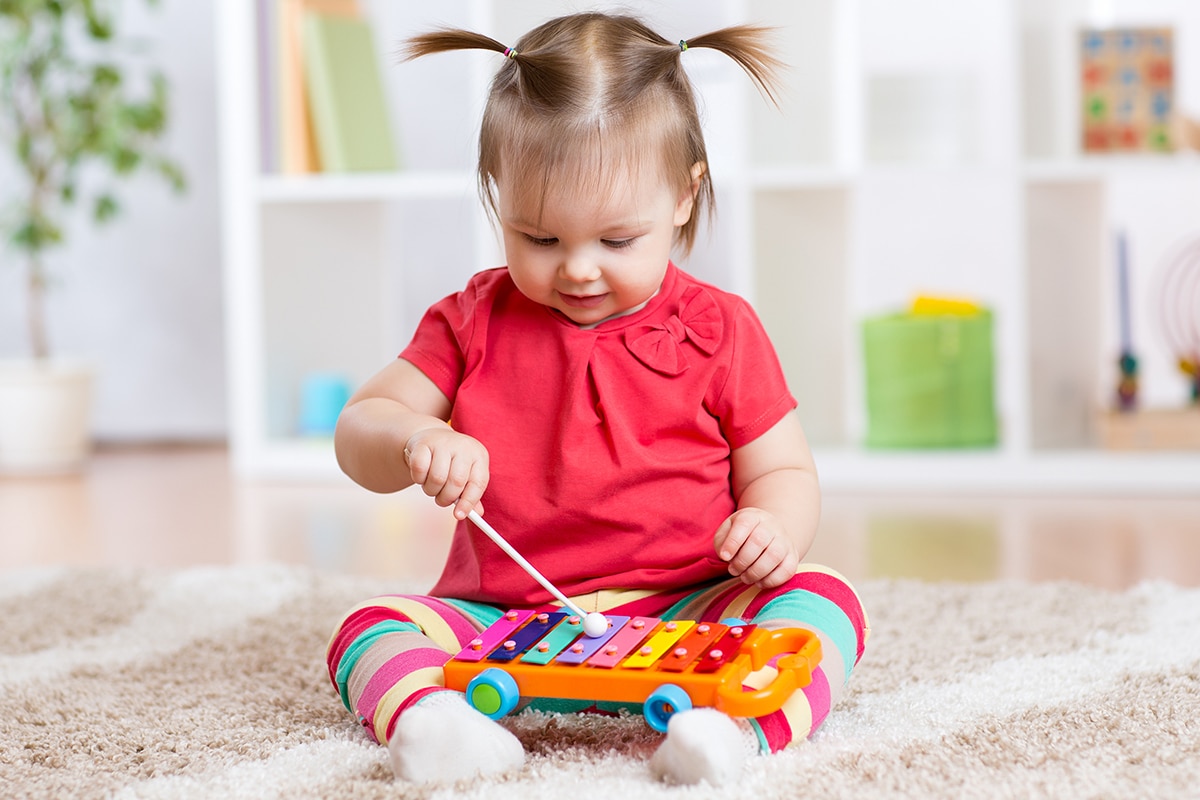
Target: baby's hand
757,548
450,467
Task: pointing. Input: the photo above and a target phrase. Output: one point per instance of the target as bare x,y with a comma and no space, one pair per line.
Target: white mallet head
595,624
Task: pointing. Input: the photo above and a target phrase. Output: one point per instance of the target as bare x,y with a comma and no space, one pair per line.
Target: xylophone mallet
594,623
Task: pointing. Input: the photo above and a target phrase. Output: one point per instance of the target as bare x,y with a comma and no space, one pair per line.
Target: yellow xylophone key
658,644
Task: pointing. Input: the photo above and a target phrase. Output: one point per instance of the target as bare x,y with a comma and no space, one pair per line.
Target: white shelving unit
922,146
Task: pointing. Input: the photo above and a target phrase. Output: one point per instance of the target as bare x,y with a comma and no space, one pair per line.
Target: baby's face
589,256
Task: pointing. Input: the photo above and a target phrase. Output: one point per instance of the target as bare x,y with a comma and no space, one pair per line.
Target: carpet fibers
210,682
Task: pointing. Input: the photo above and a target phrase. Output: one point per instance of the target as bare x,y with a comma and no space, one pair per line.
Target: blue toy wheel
493,693
662,703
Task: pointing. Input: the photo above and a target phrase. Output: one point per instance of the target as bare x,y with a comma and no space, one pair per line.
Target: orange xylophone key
724,649
692,646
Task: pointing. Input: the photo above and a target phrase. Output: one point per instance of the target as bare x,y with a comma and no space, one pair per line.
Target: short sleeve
439,345
751,393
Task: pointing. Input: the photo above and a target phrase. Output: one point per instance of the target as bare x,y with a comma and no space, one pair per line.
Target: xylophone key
724,649
554,642
624,641
692,646
658,644
490,638
523,639
582,649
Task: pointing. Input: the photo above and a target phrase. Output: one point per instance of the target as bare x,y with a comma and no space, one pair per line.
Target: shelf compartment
800,263
358,187
803,130
321,311
1065,240
849,469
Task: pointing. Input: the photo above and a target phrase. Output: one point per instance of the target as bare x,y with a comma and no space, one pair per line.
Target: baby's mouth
584,300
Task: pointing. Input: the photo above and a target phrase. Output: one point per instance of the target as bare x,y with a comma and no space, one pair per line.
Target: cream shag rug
210,683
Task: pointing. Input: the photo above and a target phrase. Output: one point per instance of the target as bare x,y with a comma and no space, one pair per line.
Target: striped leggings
387,653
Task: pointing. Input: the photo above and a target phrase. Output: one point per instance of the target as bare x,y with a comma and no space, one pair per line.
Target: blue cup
322,397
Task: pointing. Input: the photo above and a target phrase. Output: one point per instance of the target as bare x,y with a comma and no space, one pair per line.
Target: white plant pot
45,416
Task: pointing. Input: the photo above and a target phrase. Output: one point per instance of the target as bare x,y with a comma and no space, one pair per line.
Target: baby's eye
541,241
617,244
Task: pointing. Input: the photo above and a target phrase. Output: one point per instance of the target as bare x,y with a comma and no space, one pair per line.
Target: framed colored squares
1127,89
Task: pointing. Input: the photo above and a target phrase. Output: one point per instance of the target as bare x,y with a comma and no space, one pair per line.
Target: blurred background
972,228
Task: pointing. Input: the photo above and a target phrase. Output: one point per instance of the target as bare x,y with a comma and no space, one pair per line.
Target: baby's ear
687,198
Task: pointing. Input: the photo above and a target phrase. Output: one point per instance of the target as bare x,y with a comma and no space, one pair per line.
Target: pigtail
544,74
747,45
447,39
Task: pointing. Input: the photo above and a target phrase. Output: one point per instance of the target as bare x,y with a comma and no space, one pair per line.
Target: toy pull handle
800,652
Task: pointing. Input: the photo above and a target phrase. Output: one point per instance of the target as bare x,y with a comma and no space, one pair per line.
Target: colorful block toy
1127,77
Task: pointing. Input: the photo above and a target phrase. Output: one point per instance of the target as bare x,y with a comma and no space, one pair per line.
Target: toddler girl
631,425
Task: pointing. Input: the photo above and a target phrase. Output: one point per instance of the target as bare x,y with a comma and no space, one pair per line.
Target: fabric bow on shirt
660,347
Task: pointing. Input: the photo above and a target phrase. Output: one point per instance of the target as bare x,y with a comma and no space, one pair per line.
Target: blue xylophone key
523,639
491,637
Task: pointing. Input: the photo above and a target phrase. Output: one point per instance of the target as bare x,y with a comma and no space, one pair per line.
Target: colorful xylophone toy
668,666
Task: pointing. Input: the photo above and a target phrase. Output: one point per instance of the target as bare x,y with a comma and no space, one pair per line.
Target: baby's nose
579,269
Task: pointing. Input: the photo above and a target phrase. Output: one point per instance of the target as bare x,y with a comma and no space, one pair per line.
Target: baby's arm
393,433
779,504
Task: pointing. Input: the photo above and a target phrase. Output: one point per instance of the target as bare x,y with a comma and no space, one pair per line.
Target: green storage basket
929,380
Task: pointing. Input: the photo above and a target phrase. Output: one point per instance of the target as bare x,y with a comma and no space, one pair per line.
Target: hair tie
682,45
510,53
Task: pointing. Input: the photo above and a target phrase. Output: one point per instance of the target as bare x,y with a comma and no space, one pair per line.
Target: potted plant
78,111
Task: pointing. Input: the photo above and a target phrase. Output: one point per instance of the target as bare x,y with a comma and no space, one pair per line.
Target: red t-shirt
609,448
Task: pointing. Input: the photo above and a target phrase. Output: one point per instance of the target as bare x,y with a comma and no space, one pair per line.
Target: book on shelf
268,87
346,95
296,149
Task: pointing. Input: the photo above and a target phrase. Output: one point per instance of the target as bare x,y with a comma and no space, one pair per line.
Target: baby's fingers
770,558
447,477
419,460
457,480
477,481
782,573
734,540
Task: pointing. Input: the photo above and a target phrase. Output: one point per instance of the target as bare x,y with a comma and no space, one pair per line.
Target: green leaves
66,104
37,233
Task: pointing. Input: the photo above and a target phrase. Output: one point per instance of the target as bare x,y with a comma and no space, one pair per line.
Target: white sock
442,739
703,744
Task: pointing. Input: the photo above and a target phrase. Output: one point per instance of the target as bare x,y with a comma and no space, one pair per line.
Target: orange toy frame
669,666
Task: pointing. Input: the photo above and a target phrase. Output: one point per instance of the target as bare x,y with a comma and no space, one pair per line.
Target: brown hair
584,94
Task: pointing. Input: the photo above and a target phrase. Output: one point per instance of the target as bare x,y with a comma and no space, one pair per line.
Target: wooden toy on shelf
1179,310
1128,80
667,665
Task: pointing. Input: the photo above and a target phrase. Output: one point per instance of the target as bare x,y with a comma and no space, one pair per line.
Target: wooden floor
175,507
